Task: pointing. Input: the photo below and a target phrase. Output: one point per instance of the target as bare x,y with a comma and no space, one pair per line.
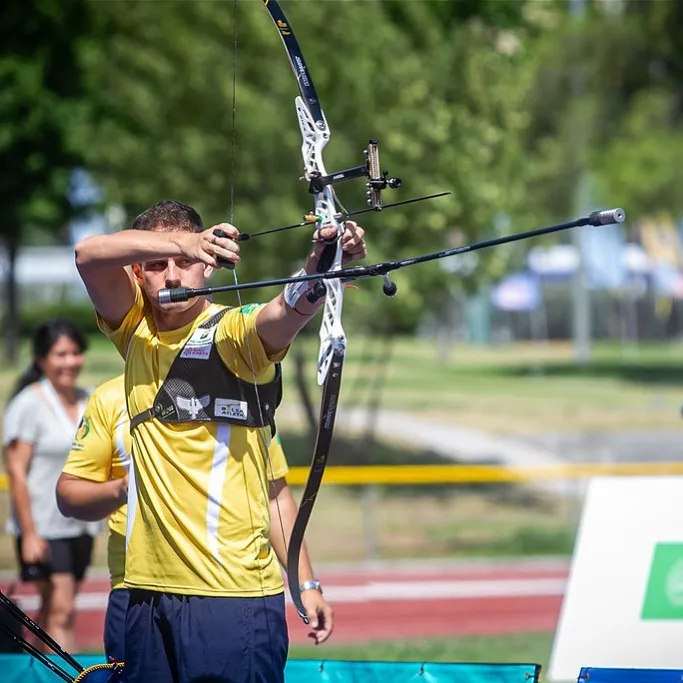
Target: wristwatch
313,584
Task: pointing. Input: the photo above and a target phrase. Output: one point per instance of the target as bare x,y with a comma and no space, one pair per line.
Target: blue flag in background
517,292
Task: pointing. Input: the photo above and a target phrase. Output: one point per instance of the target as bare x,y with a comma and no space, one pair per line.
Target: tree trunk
304,394
12,302
375,395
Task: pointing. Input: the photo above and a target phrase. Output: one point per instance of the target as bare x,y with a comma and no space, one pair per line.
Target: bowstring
231,213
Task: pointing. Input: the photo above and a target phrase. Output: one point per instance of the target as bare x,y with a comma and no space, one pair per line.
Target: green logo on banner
664,592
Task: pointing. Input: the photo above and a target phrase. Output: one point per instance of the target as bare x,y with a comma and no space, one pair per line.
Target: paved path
448,440
545,449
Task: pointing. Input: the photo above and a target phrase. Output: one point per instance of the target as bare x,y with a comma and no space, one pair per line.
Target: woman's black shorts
65,556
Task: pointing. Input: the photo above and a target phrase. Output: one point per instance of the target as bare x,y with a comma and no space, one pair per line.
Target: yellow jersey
101,451
198,504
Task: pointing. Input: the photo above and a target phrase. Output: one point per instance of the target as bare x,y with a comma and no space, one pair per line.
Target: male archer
206,592
94,485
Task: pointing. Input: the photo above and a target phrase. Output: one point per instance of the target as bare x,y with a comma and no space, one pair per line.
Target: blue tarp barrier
25,669
598,675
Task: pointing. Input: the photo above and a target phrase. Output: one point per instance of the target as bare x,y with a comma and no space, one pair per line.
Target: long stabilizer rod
606,217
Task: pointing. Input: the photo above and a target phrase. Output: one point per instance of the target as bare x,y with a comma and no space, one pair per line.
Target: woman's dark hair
43,340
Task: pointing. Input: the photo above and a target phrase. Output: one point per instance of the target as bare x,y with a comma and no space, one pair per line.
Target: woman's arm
19,454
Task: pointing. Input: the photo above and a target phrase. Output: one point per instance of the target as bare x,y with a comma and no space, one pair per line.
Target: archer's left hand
352,241
319,614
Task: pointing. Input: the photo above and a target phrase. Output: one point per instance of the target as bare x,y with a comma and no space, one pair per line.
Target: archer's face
168,273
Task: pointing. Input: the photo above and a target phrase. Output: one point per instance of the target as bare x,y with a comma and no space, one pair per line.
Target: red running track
396,603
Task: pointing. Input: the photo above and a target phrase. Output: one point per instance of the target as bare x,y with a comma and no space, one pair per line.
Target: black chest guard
200,388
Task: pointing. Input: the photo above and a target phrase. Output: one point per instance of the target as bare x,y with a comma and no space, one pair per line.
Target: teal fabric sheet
24,669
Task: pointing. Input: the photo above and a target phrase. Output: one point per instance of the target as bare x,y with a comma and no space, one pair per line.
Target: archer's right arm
101,261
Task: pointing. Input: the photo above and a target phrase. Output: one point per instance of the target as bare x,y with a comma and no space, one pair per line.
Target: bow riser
315,135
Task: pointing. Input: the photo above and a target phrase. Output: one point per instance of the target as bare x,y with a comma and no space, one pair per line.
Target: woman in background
38,428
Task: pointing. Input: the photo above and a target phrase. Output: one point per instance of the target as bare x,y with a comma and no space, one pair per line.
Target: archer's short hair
169,216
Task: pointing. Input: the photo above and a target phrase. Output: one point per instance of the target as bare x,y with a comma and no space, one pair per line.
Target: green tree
443,97
606,99
40,90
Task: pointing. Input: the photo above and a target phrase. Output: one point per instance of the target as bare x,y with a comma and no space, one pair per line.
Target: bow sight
378,180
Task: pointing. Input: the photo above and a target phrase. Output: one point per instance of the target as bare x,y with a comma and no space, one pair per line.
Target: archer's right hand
208,247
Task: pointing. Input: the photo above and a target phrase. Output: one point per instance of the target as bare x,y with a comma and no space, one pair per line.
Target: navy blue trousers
198,639
115,625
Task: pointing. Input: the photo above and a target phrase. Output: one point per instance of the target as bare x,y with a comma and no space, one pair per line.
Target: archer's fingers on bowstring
218,243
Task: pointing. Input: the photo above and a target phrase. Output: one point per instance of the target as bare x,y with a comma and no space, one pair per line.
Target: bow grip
327,257
325,262
221,261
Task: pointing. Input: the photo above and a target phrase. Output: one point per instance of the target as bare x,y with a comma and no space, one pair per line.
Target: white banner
623,606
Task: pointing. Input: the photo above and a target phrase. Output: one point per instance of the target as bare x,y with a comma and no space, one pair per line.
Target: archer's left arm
278,323
283,511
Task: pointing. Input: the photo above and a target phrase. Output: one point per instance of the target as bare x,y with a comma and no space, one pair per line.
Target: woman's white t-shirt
36,416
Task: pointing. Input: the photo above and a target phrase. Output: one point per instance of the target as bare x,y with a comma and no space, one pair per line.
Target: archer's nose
172,276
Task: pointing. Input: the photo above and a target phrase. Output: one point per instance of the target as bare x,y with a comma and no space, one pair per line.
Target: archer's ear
208,272
137,273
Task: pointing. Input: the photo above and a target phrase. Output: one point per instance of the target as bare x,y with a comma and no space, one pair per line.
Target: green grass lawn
505,649
527,388
510,522
513,389
518,648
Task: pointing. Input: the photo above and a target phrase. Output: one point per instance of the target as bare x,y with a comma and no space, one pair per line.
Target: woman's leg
44,588
62,610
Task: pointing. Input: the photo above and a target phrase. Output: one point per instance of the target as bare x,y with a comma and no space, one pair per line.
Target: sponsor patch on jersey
193,405
227,407
199,344
83,429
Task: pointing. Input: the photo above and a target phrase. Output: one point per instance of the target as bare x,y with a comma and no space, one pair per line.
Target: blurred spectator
40,421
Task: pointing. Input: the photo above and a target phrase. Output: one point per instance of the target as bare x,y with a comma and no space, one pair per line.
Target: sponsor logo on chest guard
193,405
199,344
227,407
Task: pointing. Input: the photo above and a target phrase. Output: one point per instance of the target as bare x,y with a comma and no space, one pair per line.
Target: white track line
383,591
